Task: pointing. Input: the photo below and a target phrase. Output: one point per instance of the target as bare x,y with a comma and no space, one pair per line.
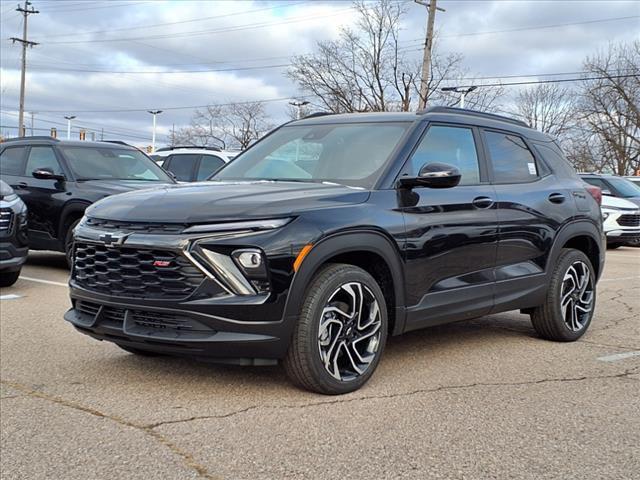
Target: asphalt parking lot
479,399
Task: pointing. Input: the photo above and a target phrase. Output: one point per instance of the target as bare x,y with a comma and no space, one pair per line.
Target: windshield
105,163
349,154
624,187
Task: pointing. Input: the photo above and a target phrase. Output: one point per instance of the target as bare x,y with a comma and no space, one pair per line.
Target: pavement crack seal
186,457
443,388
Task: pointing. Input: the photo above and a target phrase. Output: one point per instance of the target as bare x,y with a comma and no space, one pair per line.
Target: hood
112,187
5,190
617,202
205,202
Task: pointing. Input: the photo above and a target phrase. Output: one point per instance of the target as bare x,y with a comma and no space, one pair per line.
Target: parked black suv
13,235
335,231
58,180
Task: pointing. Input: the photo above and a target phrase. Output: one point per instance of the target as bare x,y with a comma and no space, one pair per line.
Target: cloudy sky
109,61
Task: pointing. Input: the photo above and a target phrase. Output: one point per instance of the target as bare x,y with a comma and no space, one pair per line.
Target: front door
452,233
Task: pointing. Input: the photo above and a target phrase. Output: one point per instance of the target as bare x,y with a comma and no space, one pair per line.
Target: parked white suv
192,164
621,221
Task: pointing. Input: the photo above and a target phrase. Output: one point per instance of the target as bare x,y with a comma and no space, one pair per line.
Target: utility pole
463,91
26,11
69,118
299,105
153,135
428,44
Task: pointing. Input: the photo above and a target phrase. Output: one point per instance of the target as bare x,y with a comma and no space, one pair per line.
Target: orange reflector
303,253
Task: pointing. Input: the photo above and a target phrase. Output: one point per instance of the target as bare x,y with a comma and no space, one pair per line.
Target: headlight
255,225
9,198
607,212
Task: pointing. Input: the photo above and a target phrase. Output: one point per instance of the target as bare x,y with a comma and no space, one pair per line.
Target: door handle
556,198
21,185
482,202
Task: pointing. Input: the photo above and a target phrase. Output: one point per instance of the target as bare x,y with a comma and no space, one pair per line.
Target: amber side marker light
303,253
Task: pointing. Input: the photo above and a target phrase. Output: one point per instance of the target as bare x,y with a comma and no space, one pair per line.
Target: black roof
43,140
443,114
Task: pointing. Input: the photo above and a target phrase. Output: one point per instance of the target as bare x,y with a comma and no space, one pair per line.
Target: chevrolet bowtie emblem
110,240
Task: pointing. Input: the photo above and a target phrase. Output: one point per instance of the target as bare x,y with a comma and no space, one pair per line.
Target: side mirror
433,175
45,173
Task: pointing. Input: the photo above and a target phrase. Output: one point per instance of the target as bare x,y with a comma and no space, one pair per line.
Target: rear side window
43,157
451,145
182,166
12,161
511,159
209,164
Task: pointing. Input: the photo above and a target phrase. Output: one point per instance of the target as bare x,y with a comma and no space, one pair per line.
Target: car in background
58,180
634,180
614,186
192,164
621,222
13,235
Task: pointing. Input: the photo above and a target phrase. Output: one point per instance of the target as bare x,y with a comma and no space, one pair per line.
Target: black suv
13,235
335,231
58,180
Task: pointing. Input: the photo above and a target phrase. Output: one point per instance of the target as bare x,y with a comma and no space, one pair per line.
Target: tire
8,278
138,351
312,362
68,242
571,269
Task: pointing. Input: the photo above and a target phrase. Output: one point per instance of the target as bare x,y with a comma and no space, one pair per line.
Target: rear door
12,160
208,165
452,233
532,207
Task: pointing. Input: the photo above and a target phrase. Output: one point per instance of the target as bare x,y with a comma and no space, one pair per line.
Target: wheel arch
370,250
71,211
583,236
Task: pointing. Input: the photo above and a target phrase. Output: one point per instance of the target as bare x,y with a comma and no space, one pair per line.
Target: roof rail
35,137
118,142
175,147
317,114
475,113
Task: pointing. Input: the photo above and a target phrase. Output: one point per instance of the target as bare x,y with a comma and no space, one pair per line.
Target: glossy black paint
13,230
54,203
440,254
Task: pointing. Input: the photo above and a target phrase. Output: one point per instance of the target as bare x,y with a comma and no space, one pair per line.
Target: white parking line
619,279
619,356
39,280
10,296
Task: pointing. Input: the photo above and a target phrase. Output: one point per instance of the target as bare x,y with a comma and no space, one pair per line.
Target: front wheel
8,278
341,332
68,242
571,299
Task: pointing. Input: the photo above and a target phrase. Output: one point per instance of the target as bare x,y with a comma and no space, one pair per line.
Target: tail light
595,192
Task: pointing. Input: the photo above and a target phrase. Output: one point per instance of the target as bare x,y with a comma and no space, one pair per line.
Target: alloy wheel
349,331
577,296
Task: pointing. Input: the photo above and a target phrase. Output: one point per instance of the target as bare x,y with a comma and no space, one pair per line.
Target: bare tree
610,108
549,108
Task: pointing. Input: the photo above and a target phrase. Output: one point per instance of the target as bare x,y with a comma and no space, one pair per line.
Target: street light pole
299,105
153,135
69,118
461,90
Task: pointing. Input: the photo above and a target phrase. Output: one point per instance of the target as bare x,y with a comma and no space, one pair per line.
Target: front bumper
12,257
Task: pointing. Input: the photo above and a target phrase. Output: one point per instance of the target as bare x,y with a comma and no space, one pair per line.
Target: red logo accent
161,263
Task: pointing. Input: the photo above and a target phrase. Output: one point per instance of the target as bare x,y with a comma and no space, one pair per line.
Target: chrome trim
269,224
228,271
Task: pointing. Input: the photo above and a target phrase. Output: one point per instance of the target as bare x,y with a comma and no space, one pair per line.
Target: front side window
451,145
104,163
11,161
352,154
512,160
209,164
182,165
42,157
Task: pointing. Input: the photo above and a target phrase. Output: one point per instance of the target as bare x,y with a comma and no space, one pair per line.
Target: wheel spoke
374,311
334,309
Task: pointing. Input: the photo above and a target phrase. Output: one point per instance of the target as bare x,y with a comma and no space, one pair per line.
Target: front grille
6,219
160,320
112,315
130,272
629,220
139,227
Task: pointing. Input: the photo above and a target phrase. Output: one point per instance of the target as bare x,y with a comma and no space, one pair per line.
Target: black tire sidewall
8,278
315,300
67,237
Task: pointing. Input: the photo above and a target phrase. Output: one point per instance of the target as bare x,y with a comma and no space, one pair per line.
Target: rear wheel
341,332
571,299
68,242
8,278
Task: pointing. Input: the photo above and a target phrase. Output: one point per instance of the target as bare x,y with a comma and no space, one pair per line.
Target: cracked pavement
478,399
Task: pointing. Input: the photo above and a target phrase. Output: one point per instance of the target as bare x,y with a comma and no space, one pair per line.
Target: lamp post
299,105
153,135
69,118
461,90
